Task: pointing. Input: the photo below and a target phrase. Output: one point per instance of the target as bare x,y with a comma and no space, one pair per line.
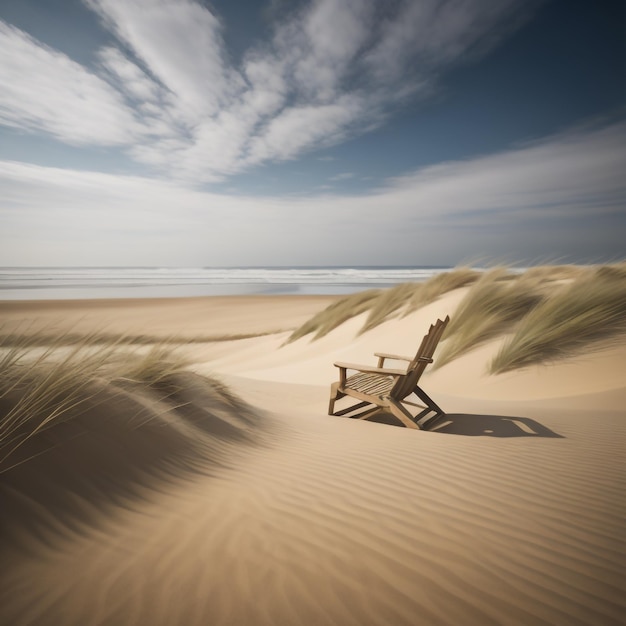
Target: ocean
37,283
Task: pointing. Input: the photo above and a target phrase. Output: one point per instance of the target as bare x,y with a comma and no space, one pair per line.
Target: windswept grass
22,337
408,297
385,303
90,428
491,308
551,273
439,285
550,312
38,387
580,316
389,303
336,314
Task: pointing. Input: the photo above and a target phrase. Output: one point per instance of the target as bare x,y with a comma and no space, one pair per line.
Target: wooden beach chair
388,389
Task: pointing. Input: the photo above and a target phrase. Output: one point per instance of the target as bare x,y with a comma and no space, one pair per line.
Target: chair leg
335,395
402,414
422,395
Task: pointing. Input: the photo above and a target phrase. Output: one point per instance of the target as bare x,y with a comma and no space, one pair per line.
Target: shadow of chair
472,425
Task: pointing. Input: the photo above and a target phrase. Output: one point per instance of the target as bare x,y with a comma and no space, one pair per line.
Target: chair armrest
425,359
394,357
397,357
370,369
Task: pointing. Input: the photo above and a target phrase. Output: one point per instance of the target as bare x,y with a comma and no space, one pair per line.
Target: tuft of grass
390,302
383,304
336,314
580,316
405,298
39,387
89,428
548,274
493,305
439,285
151,367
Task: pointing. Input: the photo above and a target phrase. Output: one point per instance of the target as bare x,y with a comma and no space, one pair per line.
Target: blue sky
288,132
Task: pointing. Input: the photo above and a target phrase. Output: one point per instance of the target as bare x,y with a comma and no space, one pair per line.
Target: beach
260,508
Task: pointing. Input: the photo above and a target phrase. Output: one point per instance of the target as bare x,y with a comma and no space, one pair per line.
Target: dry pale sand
512,511
181,317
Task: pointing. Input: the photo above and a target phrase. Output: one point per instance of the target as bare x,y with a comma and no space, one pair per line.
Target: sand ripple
341,522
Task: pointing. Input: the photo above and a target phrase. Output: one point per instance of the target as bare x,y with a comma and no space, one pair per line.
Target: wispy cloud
562,196
332,69
181,44
574,174
44,90
342,176
129,78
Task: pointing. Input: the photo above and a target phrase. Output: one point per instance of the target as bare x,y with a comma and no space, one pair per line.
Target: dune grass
439,285
336,314
550,312
383,304
408,297
492,307
87,430
23,336
578,317
551,273
38,387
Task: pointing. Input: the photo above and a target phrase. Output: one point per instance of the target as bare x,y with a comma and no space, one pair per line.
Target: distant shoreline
24,284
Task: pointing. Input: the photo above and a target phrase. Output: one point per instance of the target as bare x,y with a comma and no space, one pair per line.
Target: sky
196,133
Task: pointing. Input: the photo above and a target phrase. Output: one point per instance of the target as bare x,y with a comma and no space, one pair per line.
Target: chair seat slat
369,383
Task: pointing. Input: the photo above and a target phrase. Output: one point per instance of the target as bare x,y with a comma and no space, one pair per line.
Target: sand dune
511,511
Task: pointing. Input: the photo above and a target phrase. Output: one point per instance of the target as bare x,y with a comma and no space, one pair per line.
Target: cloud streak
578,173
44,90
168,92
558,197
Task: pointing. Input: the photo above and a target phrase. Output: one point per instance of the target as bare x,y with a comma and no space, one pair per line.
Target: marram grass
383,304
492,307
548,312
22,337
408,297
586,314
87,429
39,387
336,314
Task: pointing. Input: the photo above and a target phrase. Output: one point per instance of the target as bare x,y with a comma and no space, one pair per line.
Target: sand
511,511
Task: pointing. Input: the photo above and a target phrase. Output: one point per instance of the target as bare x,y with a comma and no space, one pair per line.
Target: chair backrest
405,385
